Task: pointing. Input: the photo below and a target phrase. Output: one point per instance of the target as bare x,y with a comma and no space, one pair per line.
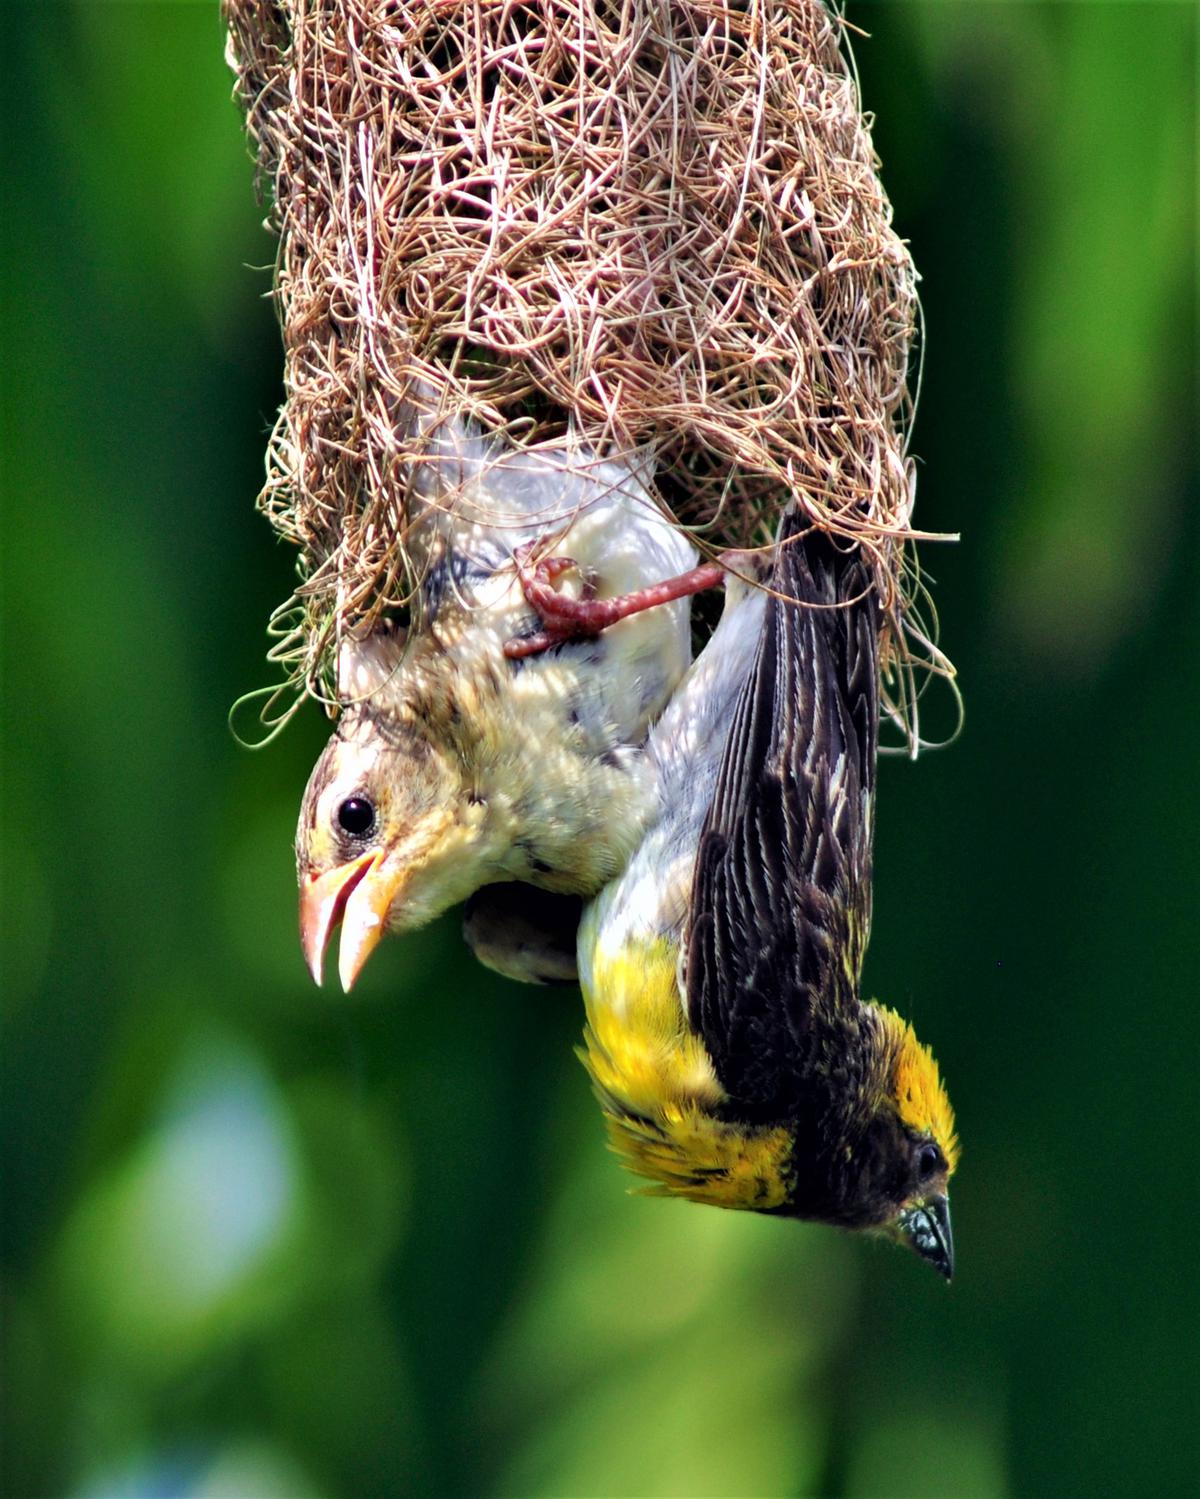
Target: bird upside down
728,1043
457,765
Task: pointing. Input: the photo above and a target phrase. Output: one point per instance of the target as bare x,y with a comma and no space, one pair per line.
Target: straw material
653,227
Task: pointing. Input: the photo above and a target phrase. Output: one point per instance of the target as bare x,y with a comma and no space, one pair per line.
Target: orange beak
359,895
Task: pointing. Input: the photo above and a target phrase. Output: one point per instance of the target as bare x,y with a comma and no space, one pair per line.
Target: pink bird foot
566,618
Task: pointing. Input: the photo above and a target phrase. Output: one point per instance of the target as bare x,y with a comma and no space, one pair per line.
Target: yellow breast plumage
660,1093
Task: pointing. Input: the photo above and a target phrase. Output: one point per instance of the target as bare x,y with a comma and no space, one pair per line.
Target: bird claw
564,618
567,618
521,646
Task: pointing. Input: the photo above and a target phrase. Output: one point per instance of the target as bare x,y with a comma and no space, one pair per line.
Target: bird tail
815,567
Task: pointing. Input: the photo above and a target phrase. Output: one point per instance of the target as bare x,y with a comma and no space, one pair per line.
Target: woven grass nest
656,225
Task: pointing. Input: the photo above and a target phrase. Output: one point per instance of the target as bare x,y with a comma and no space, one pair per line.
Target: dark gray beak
926,1226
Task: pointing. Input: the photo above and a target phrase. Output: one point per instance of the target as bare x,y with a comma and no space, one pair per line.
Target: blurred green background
261,1240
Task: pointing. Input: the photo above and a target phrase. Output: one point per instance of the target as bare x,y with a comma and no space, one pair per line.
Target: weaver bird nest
654,224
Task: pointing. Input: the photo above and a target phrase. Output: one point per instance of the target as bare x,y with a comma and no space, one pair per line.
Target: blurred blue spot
195,1235
222,1175
241,1470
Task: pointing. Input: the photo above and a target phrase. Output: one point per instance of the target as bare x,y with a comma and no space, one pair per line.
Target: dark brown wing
781,896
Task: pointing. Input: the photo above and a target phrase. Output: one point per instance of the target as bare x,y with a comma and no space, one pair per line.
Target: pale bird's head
385,830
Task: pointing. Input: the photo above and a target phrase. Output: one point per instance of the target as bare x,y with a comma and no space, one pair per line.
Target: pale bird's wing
526,934
781,895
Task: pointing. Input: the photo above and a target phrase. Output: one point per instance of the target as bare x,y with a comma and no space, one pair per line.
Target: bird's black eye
356,816
929,1162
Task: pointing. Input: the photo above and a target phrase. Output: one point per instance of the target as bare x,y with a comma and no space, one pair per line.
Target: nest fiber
649,226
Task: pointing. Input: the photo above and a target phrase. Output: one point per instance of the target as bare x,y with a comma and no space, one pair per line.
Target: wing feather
781,896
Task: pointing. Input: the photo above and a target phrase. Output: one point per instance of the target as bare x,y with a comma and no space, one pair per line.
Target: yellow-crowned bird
729,1045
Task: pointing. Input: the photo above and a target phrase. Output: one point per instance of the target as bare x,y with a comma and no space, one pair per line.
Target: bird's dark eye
356,816
929,1162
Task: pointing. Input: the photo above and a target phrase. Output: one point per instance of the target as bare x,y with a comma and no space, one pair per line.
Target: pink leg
569,619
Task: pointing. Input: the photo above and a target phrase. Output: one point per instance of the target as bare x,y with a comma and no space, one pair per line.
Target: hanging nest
654,224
